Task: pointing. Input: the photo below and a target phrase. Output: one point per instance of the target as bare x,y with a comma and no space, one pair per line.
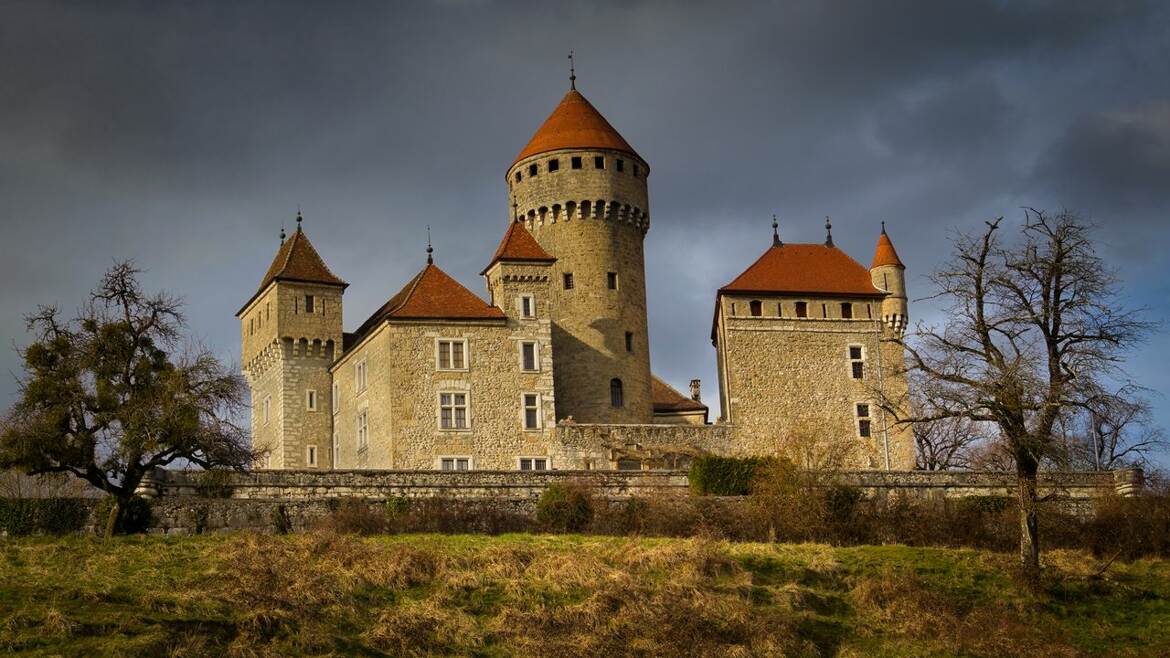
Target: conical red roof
297,260
885,254
575,124
805,268
519,245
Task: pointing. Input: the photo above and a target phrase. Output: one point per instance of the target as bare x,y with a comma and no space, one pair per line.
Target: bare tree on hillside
1034,330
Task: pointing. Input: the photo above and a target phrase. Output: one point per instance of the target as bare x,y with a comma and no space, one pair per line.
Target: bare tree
1113,430
1034,329
946,444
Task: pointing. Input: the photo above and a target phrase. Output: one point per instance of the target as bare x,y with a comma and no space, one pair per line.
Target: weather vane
572,72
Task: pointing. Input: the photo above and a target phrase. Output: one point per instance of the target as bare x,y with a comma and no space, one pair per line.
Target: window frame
450,341
599,162
335,399
846,310
800,309
567,281
455,459
361,379
311,401
310,306
362,433
611,281
533,169
532,459
266,405
629,342
311,456
865,420
756,308
575,162
617,393
554,164
855,363
466,406
531,301
524,408
535,355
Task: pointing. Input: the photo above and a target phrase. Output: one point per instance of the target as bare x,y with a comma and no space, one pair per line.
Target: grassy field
319,594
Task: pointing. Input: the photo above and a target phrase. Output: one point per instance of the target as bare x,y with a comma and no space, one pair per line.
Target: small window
311,400
267,408
621,165
629,341
531,403
869,311
568,280
359,372
629,464
756,307
532,170
308,303
611,280
335,401
534,463
363,429
519,176
733,309
251,326
452,355
598,162
453,411
846,311
554,164
863,421
616,397
779,309
575,162
311,456
856,362
455,463
336,447
802,309
824,310
635,171
527,306
528,360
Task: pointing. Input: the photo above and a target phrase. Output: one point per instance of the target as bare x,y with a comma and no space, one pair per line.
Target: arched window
757,308
616,398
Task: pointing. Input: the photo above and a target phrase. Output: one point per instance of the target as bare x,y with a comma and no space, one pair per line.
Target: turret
290,335
580,189
889,274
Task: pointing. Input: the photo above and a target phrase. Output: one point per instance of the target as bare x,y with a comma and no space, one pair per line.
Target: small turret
889,274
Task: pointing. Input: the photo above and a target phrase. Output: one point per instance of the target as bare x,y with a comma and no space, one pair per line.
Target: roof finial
282,233
828,232
775,232
430,250
883,227
572,73
299,218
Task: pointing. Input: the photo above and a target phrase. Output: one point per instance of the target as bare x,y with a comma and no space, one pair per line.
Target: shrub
281,524
354,516
723,476
133,516
565,508
17,516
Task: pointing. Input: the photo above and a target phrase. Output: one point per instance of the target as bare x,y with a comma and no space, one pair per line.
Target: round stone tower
889,274
580,189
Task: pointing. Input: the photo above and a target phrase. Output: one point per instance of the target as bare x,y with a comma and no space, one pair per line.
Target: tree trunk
112,519
1026,469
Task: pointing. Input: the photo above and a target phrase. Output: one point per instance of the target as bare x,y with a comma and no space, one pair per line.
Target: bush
354,516
133,516
281,524
565,508
723,476
17,516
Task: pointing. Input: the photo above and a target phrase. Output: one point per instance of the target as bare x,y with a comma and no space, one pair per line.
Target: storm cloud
184,135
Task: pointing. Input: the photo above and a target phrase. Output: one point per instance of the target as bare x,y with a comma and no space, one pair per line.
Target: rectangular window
635,171
611,280
824,310
621,165
802,309
629,341
554,164
311,456
455,463
336,447
575,162
846,311
311,400
451,354
568,280
532,170
779,309
869,311
363,429
453,411
756,307
335,401
251,326
359,375
519,176
856,362
528,358
534,463
863,426
308,303
527,306
531,402
598,162
267,408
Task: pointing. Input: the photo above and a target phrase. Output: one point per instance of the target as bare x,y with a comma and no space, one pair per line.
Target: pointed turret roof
575,124
519,245
885,253
297,260
805,268
431,295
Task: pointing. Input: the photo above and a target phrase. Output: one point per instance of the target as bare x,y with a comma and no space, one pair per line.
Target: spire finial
430,250
572,73
775,231
883,227
299,218
828,232
282,233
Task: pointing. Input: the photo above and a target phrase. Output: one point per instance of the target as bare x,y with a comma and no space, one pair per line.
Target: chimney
695,395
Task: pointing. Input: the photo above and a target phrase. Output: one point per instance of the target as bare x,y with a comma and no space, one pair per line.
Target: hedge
723,476
50,516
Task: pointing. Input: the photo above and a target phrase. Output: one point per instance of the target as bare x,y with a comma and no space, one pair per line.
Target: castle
553,370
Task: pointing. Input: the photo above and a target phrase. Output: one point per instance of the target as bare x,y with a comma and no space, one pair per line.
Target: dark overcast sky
182,136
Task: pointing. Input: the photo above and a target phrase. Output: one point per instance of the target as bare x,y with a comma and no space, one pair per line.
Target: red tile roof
575,124
519,245
297,260
806,269
431,295
885,254
666,399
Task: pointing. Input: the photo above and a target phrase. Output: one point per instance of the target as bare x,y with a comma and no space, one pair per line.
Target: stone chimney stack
695,394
